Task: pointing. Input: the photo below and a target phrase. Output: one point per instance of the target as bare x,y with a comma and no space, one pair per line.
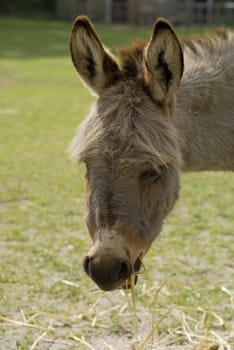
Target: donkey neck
205,111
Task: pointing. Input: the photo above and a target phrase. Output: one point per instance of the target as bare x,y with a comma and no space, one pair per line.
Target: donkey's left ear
163,58
95,64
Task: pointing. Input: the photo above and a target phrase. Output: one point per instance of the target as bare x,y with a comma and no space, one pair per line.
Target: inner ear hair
163,59
96,66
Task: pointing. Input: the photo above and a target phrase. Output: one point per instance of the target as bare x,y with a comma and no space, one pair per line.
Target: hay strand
38,340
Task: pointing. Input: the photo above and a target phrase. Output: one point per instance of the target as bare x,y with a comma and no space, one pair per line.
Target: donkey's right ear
95,64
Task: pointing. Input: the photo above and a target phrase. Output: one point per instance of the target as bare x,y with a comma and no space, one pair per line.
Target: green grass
43,289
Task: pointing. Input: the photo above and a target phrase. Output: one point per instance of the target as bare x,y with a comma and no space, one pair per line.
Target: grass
184,299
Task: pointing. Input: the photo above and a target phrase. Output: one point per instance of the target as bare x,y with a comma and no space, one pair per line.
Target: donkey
164,107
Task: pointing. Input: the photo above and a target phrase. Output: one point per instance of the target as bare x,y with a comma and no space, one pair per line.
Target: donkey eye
150,176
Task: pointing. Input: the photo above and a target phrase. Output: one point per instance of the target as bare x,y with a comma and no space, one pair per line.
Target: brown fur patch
131,58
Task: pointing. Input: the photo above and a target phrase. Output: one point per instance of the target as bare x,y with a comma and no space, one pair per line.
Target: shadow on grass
25,39
21,38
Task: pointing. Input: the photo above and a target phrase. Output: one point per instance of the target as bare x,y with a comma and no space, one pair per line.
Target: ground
185,295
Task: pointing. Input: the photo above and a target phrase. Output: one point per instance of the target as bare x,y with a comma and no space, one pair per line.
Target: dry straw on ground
192,334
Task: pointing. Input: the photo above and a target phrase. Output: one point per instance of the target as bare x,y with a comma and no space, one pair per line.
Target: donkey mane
208,43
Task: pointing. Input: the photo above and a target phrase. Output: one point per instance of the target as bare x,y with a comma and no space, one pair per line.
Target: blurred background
136,12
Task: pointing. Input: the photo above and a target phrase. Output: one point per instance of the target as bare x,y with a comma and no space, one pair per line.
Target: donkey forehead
113,159
125,124
116,164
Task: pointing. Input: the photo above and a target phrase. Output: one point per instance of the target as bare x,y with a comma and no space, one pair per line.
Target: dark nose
107,272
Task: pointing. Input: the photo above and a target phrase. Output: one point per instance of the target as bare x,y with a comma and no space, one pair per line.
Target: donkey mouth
136,268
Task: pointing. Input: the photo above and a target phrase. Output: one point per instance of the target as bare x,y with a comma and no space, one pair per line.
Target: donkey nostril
87,265
124,271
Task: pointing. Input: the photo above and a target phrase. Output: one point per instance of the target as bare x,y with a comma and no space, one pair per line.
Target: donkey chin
110,264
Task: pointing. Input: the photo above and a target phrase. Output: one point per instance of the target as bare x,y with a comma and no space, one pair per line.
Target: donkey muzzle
107,272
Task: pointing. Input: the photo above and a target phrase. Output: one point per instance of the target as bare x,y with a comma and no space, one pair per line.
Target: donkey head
129,145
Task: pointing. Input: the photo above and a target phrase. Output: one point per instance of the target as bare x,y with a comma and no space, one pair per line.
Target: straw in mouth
127,284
